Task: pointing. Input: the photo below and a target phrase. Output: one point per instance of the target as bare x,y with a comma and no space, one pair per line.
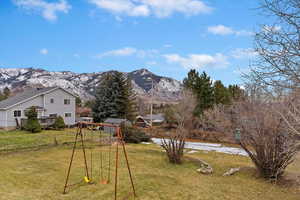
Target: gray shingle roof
115,120
27,94
159,117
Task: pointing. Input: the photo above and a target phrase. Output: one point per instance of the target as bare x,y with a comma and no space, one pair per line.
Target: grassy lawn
35,175
11,141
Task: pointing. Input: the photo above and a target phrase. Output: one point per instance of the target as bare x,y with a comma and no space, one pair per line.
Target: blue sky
168,37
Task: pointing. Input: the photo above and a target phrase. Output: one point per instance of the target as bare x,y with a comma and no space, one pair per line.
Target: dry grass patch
41,174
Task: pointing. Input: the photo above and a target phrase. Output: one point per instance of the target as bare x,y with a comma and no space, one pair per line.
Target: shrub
32,124
59,123
174,146
266,137
133,135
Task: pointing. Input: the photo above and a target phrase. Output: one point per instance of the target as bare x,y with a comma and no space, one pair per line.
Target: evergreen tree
32,124
202,88
6,92
59,123
192,80
114,98
2,97
221,93
78,102
236,93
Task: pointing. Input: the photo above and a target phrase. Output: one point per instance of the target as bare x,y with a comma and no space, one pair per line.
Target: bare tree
266,137
278,47
183,113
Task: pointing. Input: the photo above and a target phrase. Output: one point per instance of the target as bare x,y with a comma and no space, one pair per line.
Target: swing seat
86,179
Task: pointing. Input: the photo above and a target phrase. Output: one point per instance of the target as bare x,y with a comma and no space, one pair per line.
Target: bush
133,135
174,146
266,137
32,124
59,123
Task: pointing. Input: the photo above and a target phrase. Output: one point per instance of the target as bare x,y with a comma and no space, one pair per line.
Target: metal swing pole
116,170
92,138
101,158
71,161
127,162
109,155
84,154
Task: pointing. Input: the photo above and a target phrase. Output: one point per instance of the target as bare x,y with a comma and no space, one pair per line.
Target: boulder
231,171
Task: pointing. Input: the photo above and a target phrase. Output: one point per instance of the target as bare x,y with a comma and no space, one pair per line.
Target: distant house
84,114
116,122
49,102
141,122
145,121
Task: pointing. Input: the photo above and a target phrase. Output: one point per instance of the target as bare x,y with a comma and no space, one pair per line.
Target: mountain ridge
164,89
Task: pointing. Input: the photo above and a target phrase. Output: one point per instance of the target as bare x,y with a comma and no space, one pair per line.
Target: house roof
115,120
27,95
157,117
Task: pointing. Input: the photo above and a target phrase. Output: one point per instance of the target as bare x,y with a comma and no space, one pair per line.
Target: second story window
51,100
68,114
17,113
67,101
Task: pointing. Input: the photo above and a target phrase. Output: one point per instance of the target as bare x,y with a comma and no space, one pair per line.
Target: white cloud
76,55
197,61
44,51
129,51
48,10
225,30
240,53
168,46
158,8
151,63
274,29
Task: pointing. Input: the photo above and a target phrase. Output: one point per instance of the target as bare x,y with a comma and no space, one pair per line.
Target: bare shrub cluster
183,115
266,137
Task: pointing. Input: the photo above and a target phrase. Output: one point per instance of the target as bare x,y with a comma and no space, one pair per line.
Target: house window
17,113
51,100
52,115
68,114
67,101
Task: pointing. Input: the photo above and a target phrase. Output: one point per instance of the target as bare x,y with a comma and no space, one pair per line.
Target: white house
50,102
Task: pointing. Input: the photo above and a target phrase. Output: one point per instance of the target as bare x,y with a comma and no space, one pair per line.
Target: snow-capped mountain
83,84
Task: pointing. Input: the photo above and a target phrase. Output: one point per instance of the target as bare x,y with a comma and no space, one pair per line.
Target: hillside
83,84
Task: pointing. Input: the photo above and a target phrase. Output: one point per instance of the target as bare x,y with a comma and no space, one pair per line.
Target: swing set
114,139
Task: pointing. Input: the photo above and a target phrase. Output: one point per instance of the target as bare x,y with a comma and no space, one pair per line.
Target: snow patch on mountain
83,84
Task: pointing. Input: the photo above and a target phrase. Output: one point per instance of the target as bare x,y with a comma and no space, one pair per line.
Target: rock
192,151
205,170
231,171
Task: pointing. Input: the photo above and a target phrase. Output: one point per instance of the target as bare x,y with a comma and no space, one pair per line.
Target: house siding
58,107
2,118
11,122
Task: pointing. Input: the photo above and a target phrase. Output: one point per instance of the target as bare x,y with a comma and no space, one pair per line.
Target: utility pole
151,107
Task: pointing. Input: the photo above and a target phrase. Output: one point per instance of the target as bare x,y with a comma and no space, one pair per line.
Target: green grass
11,141
35,175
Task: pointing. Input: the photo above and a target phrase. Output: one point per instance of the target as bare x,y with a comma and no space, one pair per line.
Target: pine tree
192,80
6,92
32,123
236,93
2,97
221,93
205,94
78,102
114,98
59,123
201,86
